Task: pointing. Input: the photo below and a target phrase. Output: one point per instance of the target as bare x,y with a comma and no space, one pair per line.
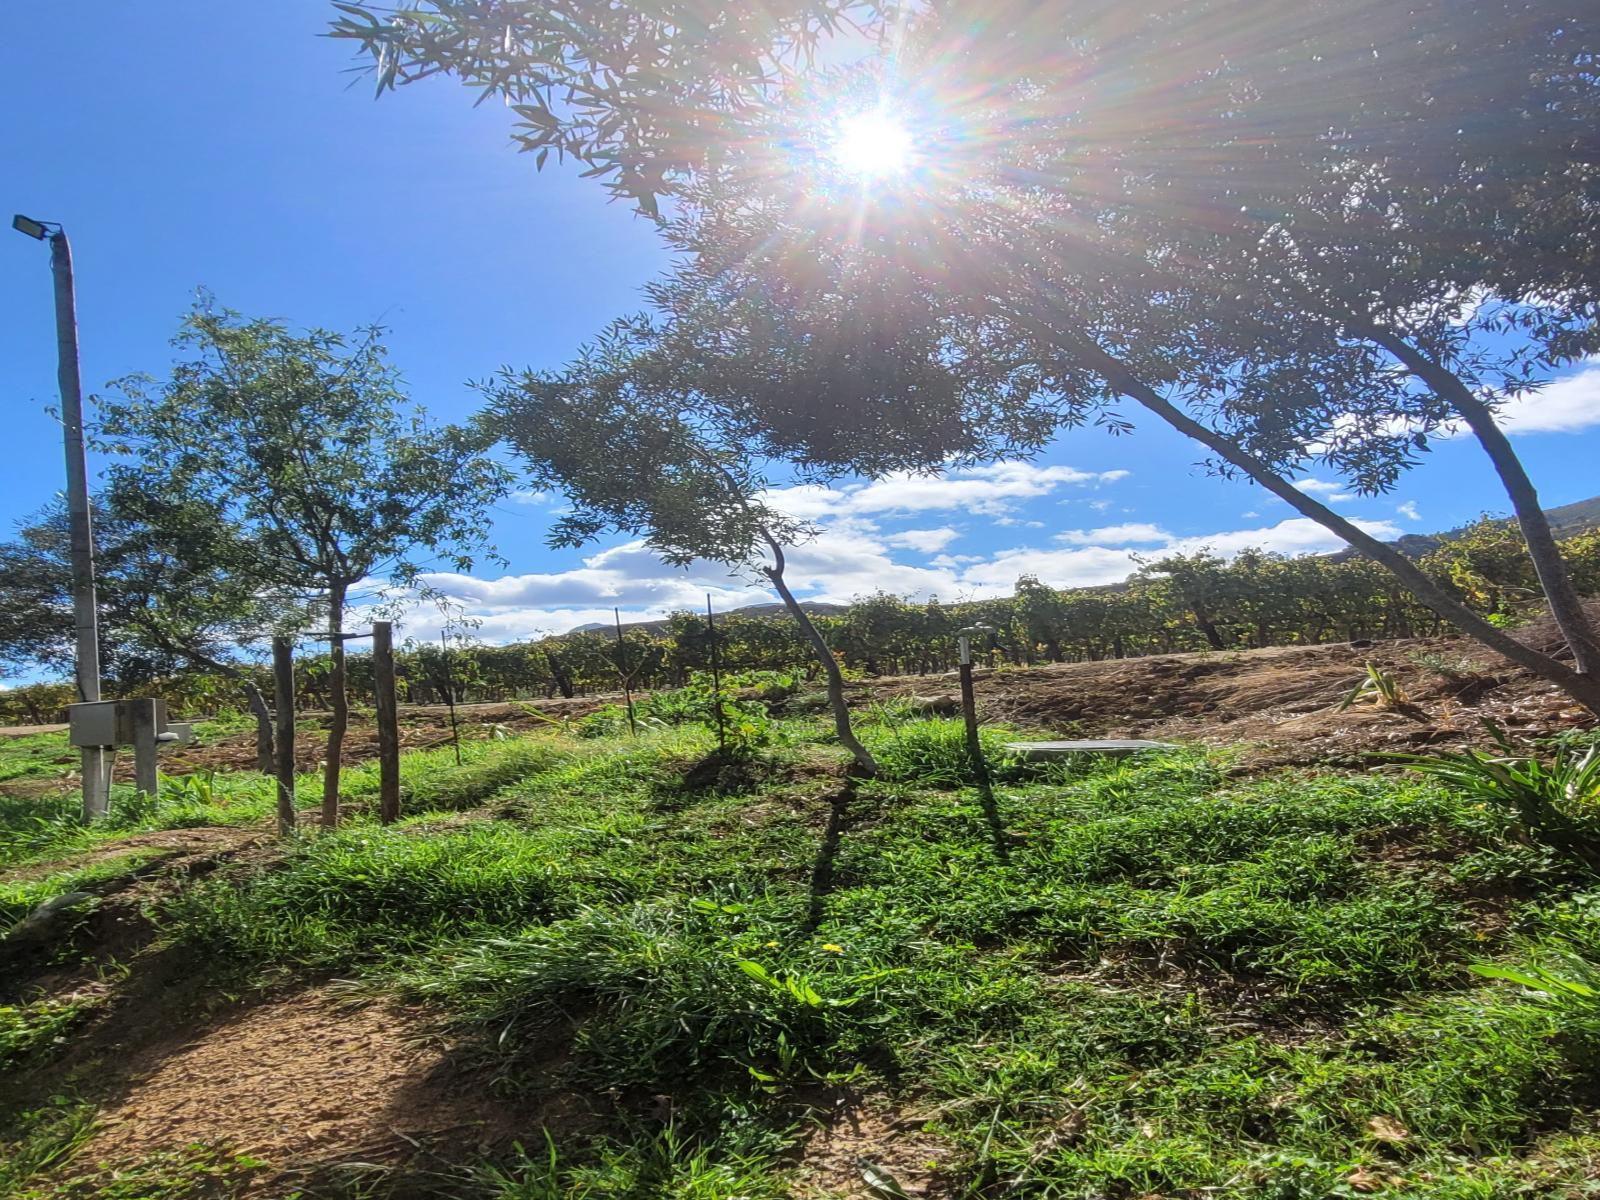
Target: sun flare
873,145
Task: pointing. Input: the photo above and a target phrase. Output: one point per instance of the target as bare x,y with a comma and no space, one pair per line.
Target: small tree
625,454
1288,234
170,600
298,442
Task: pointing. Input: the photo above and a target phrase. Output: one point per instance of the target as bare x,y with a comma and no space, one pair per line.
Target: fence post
969,713
716,678
623,673
142,721
388,716
283,743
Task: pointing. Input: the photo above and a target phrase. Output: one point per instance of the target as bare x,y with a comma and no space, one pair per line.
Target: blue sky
186,144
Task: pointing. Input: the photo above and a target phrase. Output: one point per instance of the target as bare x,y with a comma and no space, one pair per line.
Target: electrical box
110,723
92,724
178,733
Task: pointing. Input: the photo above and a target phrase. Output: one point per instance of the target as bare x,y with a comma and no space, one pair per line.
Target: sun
873,145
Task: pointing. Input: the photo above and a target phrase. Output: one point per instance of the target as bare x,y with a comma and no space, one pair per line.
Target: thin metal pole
624,673
388,717
716,677
450,694
96,789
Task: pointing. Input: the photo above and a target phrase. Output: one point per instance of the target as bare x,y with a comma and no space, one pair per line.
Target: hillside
588,967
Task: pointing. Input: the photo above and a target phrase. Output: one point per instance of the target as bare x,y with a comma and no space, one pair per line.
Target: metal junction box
110,723
92,724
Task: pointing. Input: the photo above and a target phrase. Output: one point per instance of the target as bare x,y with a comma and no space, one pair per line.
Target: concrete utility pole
96,785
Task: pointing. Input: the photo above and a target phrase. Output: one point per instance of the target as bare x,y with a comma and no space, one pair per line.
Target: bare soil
1281,703
298,1081
867,1151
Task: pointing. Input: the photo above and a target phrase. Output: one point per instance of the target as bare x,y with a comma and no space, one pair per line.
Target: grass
1171,983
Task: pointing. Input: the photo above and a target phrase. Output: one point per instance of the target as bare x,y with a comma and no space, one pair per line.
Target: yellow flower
772,945
833,947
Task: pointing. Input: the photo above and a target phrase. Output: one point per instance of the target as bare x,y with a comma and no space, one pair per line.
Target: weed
1556,802
1380,687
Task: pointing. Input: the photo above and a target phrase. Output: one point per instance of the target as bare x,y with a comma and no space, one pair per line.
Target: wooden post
623,672
143,718
969,712
283,750
388,716
716,677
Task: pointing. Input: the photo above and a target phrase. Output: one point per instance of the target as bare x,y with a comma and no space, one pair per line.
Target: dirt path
295,1082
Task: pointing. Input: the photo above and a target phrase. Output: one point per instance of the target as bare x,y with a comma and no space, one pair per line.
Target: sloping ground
306,1078
1280,702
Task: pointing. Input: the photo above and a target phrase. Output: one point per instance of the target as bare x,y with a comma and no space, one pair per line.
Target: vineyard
1179,604
1207,871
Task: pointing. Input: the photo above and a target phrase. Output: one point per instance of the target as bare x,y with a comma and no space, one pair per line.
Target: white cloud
1568,405
927,541
1318,487
992,490
531,497
850,558
1114,535
1408,510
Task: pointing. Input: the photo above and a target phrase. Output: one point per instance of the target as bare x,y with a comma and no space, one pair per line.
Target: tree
170,599
1292,235
690,492
296,442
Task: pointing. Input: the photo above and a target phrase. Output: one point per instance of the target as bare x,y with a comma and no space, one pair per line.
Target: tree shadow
822,871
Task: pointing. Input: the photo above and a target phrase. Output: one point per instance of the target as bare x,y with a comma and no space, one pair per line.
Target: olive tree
178,596
621,442
1296,233
301,443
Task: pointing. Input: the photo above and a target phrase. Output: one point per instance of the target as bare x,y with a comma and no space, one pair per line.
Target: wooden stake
716,676
283,749
388,717
623,672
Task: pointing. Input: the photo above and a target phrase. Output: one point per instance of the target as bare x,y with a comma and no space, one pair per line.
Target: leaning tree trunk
339,708
1554,578
830,665
1583,688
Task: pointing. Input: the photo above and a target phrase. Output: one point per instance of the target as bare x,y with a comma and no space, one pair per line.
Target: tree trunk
830,666
1581,687
339,709
1554,577
263,716
559,673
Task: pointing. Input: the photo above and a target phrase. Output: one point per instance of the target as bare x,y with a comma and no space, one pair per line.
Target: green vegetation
1256,600
1174,982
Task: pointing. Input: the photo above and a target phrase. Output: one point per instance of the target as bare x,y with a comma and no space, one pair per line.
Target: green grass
1136,978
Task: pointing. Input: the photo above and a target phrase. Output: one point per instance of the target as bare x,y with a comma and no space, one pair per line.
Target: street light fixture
38,230
96,784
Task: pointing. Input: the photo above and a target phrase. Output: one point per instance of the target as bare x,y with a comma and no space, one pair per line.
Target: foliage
291,452
27,1028
933,753
1378,686
1557,802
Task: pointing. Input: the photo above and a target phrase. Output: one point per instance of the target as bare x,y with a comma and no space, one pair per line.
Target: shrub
1556,802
